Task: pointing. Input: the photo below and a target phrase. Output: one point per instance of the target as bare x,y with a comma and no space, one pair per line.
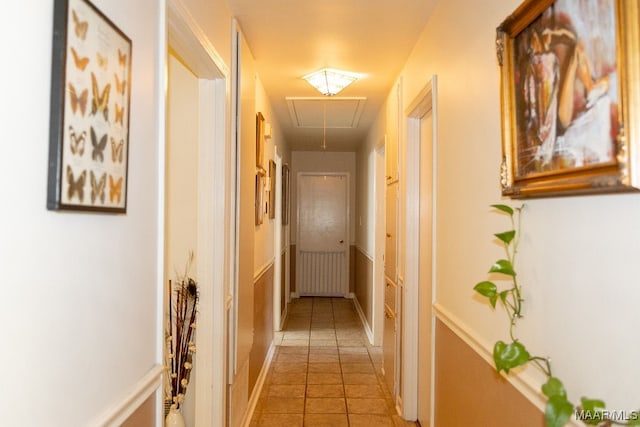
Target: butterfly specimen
80,27
76,186
78,102
98,146
100,101
115,189
122,58
120,85
97,187
117,148
81,63
103,61
77,141
119,113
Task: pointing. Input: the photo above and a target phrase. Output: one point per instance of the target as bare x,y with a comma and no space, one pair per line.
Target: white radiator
322,273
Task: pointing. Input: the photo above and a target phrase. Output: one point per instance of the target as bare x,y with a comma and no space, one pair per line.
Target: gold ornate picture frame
570,97
259,140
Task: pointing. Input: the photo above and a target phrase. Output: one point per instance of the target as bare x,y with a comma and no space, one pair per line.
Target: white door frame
278,267
347,238
379,221
423,103
215,192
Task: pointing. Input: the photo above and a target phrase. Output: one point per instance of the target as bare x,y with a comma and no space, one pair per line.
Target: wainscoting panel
292,269
283,284
144,416
363,286
262,323
469,392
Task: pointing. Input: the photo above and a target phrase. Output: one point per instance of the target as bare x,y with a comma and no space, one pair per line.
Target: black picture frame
90,111
272,189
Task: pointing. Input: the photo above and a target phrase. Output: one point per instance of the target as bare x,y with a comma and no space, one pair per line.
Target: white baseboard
117,414
363,319
257,389
283,318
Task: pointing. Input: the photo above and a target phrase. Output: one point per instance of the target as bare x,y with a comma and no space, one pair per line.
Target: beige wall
87,283
246,226
214,17
572,248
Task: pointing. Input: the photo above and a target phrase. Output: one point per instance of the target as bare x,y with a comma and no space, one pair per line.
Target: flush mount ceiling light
329,81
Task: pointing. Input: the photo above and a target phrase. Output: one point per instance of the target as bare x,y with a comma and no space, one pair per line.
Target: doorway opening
420,263
204,150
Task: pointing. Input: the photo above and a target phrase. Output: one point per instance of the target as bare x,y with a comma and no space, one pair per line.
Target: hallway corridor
324,372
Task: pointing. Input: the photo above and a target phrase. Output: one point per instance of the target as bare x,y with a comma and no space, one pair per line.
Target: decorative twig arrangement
506,356
180,336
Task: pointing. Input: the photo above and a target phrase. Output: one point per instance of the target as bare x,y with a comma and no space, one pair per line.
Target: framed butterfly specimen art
90,101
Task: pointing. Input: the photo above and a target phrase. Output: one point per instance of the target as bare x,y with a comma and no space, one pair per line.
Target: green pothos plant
513,354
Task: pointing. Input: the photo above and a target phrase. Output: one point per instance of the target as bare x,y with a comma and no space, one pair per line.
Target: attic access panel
330,113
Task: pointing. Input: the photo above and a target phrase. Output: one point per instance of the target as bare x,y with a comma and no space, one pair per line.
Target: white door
323,229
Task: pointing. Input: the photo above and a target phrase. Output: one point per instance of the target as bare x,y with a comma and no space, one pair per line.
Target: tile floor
324,372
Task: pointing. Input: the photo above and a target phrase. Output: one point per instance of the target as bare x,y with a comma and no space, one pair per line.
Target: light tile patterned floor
324,372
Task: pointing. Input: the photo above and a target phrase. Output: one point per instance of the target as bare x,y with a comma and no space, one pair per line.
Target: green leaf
553,387
594,409
558,411
504,208
489,290
503,266
507,236
509,356
634,418
504,295
592,404
493,299
486,289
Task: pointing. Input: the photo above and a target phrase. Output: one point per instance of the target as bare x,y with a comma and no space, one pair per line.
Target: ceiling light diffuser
329,81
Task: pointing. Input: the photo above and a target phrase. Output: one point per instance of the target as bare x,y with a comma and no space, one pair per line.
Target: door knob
341,241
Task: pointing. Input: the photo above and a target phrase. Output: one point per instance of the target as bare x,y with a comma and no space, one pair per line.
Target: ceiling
292,38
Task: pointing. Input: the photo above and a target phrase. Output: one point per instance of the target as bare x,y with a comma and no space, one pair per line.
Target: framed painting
90,100
570,98
272,189
259,140
259,197
285,194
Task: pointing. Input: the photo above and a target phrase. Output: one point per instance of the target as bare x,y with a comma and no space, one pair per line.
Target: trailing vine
507,356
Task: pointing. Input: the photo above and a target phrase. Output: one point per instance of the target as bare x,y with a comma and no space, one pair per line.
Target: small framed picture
259,140
272,189
90,103
259,197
